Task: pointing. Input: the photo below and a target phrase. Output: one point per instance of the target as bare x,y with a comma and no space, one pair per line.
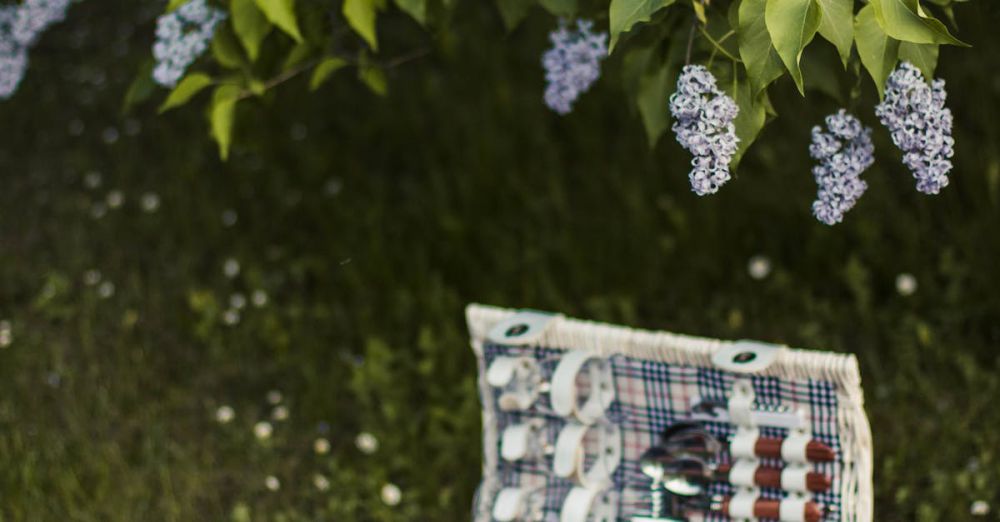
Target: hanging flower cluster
181,37
704,126
20,27
920,125
572,64
844,151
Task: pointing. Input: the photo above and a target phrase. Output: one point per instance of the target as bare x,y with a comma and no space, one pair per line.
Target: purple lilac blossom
844,151
181,37
920,125
34,16
704,126
572,64
20,26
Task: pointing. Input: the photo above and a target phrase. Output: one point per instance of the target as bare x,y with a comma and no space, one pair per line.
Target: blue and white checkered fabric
650,397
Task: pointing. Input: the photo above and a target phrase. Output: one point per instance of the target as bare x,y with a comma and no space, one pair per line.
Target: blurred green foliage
370,222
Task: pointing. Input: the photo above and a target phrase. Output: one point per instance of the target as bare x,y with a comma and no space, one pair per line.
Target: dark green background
459,186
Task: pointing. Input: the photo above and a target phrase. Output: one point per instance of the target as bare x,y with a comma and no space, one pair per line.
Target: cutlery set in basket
586,422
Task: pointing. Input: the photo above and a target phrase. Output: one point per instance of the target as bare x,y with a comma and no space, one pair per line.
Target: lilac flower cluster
572,64
704,126
920,125
844,151
20,27
181,37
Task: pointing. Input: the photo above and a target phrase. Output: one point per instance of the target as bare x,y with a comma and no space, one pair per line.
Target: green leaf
189,86
282,14
221,116
374,78
226,49
750,120
323,71
250,24
296,55
837,25
923,56
792,25
762,62
361,15
905,20
141,88
415,8
174,4
564,8
653,98
513,11
624,14
877,50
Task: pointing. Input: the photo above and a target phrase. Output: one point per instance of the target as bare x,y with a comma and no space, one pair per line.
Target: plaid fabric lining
650,397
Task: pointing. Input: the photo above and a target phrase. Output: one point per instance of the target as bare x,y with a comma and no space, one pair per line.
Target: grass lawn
147,285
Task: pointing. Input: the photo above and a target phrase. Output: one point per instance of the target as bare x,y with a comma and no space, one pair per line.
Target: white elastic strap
576,507
518,440
741,505
570,454
564,396
569,450
608,457
793,478
744,442
741,403
742,473
501,371
792,509
602,392
509,504
793,448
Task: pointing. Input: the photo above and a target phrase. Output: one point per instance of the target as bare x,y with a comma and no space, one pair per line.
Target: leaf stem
718,46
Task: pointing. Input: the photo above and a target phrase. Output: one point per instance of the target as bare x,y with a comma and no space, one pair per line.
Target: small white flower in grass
237,301
6,334
321,482
92,180
91,277
391,495
229,217
321,446
258,298
231,268
150,202
75,127
280,413
263,430
231,317
225,414
274,397
979,508
272,483
115,198
98,210
333,187
109,135
906,284
106,290
132,127
759,267
366,443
